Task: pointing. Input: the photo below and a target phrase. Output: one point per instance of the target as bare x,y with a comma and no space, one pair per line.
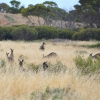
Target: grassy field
64,85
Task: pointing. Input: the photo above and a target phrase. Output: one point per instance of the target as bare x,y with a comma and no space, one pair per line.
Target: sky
64,4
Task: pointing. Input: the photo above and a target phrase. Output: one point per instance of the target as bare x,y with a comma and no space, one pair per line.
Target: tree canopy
89,11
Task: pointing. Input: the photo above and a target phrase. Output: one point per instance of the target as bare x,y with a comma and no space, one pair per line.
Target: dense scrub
27,33
87,65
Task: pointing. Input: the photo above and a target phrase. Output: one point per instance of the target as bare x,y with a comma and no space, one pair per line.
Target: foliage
47,32
50,4
56,68
5,33
87,34
2,63
24,33
24,12
15,6
33,67
97,45
87,65
89,11
66,34
4,7
54,94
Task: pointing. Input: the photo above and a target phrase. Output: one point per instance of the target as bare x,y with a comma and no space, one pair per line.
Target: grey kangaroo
42,46
12,55
52,54
45,66
96,56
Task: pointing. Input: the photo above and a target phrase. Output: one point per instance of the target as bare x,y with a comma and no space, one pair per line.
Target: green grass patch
97,45
87,65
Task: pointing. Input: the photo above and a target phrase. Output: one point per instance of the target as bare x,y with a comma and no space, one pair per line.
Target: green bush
56,68
54,94
5,33
24,33
97,45
87,65
87,34
47,32
66,34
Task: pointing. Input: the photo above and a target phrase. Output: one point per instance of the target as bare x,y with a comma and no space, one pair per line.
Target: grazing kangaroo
45,66
12,55
96,56
42,46
21,65
52,54
8,57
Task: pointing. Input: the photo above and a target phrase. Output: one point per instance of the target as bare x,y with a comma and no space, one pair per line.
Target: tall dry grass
17,85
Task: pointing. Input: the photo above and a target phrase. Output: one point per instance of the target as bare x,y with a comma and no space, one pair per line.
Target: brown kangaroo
8,57
96,56
12,55
21,65
45,66
42,46
52,54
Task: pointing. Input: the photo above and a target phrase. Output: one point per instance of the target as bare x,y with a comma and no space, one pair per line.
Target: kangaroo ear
22,60
46,61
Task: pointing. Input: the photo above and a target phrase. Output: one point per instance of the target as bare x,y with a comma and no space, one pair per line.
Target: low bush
24,33
66,34
47,32
87,65
97,45
52,94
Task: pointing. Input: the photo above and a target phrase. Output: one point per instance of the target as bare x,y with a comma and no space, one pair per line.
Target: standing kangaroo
21,65
42,46
8,57
12,55
52,54
96,56
45,66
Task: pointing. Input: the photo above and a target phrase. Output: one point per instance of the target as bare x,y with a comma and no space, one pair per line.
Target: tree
15,6
4,7
89,11
50,4
24,12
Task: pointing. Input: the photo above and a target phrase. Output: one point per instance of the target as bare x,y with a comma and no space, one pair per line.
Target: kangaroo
12,55
45,66
96,56
42,46
52,54
21,65
8,57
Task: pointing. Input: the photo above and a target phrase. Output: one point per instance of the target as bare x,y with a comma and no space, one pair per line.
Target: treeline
46,32
47,10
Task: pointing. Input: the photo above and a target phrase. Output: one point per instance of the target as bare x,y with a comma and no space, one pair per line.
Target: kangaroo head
11,50
91,54
7,53
20,62
44,43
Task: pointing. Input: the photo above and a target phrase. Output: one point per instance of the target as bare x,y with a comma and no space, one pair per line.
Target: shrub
56,68
24,33
47,32
87,65
54,94
97,45
66,34
87,34
5,33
